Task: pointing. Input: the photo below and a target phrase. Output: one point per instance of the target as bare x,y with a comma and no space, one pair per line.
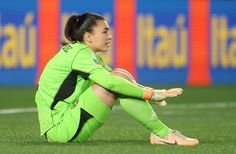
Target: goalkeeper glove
159,95
161,103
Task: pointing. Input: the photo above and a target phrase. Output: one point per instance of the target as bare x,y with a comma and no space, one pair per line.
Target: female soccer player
76,90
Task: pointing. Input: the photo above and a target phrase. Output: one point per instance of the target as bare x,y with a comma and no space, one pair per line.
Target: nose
110,35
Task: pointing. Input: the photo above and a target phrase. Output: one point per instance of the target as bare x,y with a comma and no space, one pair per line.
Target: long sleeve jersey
67,75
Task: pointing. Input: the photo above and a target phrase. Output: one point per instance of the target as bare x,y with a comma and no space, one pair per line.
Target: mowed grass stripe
118,107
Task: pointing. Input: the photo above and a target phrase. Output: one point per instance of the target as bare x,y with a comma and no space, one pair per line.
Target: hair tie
78,17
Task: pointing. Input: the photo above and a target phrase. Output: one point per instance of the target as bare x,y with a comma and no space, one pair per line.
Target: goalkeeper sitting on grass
76,90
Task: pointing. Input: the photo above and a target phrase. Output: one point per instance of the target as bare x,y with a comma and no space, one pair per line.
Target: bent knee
107,96
122,73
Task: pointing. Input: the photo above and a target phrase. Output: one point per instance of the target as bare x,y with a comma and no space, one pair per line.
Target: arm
86,61
161,93
119,85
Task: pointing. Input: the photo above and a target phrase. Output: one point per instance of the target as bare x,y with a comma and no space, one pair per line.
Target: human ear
88,37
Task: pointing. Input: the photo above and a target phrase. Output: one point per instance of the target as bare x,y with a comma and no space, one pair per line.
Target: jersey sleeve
116,84
86,62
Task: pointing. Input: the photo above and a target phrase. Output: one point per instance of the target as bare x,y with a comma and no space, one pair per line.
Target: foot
173,138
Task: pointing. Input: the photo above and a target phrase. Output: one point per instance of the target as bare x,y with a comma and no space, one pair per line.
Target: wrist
148,93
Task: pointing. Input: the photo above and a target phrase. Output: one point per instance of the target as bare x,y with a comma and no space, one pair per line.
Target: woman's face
100,39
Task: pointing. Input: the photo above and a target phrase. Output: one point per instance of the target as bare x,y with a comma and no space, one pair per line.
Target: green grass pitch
207,113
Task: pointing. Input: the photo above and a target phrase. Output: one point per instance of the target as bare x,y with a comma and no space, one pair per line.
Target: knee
122,73
107,96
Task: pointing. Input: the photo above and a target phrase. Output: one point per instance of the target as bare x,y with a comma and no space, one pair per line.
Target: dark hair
77,25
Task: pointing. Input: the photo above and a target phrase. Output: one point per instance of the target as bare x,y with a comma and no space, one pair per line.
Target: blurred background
163,43
189,42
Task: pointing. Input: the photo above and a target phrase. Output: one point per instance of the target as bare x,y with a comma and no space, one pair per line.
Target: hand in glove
160,95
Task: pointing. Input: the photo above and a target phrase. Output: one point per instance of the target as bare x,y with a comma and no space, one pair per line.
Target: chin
103,50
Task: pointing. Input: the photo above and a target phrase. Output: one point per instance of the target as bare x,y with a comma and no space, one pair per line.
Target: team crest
74,104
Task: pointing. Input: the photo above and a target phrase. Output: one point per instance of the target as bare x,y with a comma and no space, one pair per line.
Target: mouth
108,44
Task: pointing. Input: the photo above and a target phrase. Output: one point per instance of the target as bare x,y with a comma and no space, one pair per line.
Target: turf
213,126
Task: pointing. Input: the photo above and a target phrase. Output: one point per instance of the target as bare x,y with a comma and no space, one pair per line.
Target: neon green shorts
81,120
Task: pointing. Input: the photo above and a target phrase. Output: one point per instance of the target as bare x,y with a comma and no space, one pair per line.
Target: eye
105,31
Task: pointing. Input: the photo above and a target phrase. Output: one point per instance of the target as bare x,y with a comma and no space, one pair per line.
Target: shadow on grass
96,142
112,142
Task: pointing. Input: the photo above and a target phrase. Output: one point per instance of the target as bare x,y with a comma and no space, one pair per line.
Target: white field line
17,110
170,107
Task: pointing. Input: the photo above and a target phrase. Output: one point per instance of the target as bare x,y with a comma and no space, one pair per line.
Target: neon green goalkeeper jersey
67,75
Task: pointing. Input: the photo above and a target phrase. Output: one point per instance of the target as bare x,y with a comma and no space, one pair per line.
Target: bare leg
108,97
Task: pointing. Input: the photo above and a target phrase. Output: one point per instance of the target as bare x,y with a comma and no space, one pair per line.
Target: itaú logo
223,44
18,43
161,46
